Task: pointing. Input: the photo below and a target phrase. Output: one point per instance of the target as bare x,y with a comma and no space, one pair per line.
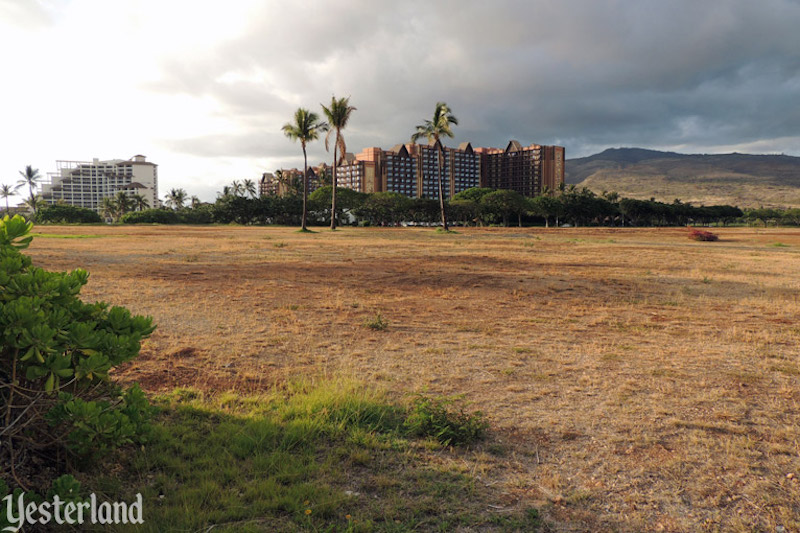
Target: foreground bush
56,352
67,214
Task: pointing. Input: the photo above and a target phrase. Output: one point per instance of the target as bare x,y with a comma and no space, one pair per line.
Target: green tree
467,203
123,203
433,130
385,208
635,210
108,208
338,115
249,187
504,203
546,207
6,191
347,199
305,128
139,202
31,178
176,198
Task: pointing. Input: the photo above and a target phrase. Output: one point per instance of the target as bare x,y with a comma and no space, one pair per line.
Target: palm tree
305,128
34,203
123,203
108,208
338,114
249,187
195,202
30,177
139,202
237,188
434,130
176,198
6,191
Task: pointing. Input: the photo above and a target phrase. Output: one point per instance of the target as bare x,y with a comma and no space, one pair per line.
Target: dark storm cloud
582,73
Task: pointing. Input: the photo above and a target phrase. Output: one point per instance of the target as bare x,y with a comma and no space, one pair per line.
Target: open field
635,380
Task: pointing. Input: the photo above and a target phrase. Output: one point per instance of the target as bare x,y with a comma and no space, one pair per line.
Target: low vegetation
702,235
58,409
331,456
67,214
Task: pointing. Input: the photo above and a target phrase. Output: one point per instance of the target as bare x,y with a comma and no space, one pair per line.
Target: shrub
151,216
702,235
202,214
433,417
67,214
55,356
378,323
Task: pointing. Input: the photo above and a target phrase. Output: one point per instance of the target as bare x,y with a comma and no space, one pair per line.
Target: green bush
435,417
67,214
55,356
151,216
198,215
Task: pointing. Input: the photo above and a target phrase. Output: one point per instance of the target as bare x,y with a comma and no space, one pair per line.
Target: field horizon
634,379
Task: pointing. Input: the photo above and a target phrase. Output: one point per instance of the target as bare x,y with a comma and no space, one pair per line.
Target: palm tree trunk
333,184
33,201
305,186
441,191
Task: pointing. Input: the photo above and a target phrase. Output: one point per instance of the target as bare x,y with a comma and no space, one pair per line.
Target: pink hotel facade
413,169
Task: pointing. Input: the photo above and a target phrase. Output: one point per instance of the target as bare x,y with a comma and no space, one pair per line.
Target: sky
203,88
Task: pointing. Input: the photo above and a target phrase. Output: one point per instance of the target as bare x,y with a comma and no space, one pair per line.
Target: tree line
240,203
473,207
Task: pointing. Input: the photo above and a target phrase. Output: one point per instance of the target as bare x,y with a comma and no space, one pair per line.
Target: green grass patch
779,245
69,236
378,323
329,457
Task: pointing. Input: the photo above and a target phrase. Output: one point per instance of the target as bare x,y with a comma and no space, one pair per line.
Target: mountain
736,179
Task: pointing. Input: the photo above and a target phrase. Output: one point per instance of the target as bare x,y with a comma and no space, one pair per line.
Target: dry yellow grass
635,380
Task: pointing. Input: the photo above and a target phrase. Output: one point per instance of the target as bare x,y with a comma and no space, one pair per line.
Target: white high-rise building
85,184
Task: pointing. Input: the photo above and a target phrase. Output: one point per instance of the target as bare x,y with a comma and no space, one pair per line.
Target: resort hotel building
85,184
291,180
413,169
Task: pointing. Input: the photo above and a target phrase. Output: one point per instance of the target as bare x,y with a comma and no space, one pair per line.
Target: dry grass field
635,380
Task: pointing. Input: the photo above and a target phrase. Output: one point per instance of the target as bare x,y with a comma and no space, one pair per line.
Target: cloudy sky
203,88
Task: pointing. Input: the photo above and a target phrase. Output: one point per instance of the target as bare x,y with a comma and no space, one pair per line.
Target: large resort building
85,184
291,180
413,169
